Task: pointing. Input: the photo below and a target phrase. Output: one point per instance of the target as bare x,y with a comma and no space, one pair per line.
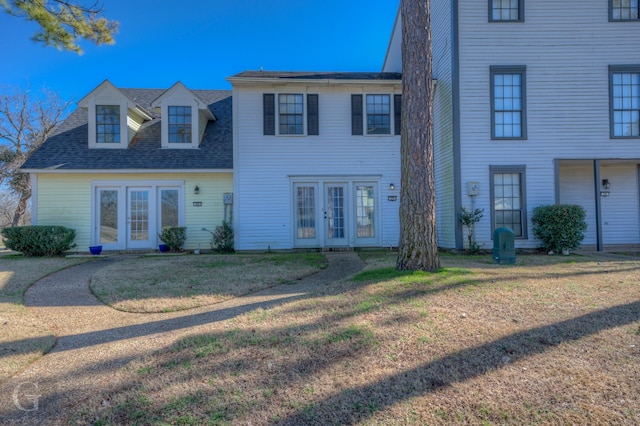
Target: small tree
26,120
174,237
559,226
468,219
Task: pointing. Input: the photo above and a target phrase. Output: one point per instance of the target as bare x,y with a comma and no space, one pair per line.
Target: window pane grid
179,124
139,215
507,105
378,114
169,207
508,202
107,124
290,109
624,9
365,218
335,212
306,209
505,10
626,104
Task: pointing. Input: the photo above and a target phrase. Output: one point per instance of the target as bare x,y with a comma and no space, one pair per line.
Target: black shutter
269,113
313,128
356,115
397,113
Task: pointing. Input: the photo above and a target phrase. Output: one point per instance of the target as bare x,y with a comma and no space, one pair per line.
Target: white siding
566,50
264,164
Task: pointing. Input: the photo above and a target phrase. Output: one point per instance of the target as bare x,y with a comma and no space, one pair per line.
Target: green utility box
504,248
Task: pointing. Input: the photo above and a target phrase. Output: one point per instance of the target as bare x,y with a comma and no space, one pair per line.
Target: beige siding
65,199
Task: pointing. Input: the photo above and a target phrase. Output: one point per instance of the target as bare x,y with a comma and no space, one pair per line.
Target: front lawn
551,340
172,283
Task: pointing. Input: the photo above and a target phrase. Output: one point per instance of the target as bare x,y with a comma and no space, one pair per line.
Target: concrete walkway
94,341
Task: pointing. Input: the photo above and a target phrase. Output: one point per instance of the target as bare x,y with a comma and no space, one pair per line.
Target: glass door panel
108,216
335,215
306,214
138,218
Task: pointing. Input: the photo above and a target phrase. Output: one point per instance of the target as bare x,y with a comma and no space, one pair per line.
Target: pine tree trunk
418,246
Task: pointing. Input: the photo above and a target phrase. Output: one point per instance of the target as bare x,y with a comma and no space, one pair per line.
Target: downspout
596,188
455,94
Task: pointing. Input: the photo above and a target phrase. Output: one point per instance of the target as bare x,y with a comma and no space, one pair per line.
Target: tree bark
418,246
21,208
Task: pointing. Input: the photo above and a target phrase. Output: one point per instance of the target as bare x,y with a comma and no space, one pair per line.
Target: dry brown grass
23,338
551,340
164,284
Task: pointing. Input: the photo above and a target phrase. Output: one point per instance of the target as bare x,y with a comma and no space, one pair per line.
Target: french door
335,214
130,215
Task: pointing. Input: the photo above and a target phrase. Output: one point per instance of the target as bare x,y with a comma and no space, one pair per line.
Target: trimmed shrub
39,240
560,226
222,240
174,237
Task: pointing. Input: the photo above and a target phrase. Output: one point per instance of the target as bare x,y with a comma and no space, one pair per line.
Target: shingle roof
68,148
299,75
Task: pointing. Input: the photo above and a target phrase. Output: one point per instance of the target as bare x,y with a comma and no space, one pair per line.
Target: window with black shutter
313,128
397,113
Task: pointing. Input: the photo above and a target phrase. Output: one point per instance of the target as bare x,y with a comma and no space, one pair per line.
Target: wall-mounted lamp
392,187
196,190
604,192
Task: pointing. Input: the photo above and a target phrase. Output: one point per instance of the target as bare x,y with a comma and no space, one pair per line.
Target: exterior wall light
604,192
392,187
196,190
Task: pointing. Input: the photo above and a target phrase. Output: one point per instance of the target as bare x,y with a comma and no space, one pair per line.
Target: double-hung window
291,114
625,101
624,10
107,124
289,109
506,10
378,115
508,103
508,201
180,124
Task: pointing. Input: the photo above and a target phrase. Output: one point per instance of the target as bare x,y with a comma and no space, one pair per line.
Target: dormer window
184,117
108,124
179,124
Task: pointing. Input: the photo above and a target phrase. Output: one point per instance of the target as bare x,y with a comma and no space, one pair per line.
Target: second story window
107,124
378,115
506,10
625,102
508,118
291,114
624,10
179,124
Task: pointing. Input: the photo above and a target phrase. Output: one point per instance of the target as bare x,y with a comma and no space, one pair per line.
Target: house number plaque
197,204
392,198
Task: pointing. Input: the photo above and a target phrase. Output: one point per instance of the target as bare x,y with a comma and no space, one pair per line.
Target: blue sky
202,42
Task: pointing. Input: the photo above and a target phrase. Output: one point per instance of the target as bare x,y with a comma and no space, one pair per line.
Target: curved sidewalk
94,341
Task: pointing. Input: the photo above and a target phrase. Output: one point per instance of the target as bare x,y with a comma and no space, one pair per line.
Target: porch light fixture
392,187
196,190
604,192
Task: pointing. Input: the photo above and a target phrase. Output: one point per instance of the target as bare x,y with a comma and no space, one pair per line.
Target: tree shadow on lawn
459,367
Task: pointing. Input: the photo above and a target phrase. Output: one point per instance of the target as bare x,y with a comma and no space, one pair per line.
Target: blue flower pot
95,250
163,248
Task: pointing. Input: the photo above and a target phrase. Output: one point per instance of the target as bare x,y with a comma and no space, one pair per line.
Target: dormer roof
105,87
180,89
